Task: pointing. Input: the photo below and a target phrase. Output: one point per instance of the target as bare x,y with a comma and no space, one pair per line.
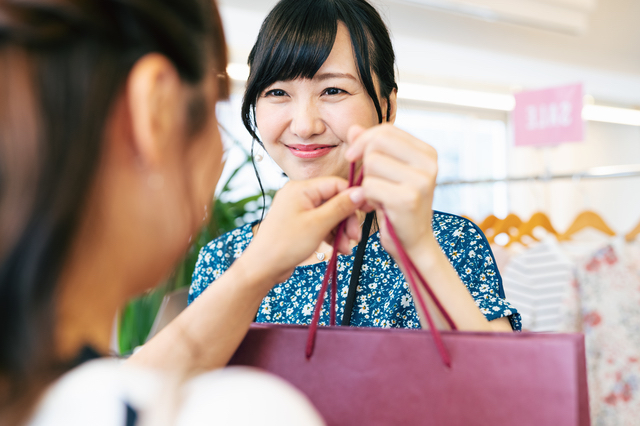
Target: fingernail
357,195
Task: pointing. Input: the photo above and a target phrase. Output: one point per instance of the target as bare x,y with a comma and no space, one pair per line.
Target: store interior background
468,58
473,45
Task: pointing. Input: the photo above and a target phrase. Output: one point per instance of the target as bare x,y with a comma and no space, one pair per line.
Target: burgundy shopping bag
367,376
363,376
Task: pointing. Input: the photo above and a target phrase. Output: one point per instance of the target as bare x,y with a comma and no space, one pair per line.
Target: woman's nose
307,121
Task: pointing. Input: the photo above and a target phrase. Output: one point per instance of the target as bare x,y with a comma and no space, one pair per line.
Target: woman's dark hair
62,65
296,38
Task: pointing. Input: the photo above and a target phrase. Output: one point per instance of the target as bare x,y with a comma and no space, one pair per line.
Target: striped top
536,282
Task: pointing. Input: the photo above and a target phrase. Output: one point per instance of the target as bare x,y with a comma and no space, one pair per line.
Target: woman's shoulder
217,256
462,241
231,241
449,226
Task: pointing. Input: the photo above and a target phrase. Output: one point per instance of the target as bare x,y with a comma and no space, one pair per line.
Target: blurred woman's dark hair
62,65
296,38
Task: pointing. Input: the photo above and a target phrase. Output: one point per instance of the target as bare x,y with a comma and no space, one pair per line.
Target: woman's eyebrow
329,75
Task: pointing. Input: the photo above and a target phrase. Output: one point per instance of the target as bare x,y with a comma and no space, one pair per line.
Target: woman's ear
154,100
392,107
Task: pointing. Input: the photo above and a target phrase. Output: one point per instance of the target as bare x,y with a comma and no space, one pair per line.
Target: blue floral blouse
383,298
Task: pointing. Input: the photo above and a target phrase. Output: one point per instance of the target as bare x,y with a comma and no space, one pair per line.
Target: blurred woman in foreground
109,153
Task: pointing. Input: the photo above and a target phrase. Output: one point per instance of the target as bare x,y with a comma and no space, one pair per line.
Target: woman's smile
310,150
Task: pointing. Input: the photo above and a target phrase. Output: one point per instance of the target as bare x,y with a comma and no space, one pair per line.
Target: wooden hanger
586,219
538,219
633,233
488,223
505,226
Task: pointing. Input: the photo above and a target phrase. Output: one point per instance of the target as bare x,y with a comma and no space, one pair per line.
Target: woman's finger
381,192
339,207
322,189
303,214
394,170
407,208
391,141
354,132
352,229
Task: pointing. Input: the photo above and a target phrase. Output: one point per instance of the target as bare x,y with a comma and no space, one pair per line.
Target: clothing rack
630,170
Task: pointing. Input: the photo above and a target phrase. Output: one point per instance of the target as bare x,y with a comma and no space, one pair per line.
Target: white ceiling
611,41
437,46
564,16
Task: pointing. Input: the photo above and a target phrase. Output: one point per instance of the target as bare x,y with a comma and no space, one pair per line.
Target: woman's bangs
305,44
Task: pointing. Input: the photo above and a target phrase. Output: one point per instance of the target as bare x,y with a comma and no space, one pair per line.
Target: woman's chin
324,169
312,174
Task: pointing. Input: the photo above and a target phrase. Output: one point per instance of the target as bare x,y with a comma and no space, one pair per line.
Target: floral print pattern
383,298
609,297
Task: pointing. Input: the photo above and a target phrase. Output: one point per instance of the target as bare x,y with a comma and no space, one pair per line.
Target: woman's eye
275,92
334,91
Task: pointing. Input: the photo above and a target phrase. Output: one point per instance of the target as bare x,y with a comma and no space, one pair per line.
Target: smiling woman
321,94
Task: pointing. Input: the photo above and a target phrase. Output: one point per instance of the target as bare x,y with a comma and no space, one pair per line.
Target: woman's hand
302,215
400,176
205,335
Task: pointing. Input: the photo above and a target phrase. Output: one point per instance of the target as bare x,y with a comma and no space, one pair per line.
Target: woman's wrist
258,270
428,253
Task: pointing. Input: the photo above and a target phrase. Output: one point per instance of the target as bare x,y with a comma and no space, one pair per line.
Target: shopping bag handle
411,273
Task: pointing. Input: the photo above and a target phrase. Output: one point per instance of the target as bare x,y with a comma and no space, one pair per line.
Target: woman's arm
206,334
451,291
399,181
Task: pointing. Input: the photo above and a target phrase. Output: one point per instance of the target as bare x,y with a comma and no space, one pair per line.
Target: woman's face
303,123
190,170
180,207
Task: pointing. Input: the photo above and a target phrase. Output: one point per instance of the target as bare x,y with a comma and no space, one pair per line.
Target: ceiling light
445,95
608,114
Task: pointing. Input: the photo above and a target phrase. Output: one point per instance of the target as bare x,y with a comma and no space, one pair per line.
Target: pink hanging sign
549,117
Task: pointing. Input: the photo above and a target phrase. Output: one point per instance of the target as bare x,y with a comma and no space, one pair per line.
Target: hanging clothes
609,291
579,249
536,282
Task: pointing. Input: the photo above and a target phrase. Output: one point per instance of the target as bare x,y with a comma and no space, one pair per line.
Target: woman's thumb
341,206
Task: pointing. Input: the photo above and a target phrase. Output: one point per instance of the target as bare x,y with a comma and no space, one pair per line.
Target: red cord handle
409,266
330,275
